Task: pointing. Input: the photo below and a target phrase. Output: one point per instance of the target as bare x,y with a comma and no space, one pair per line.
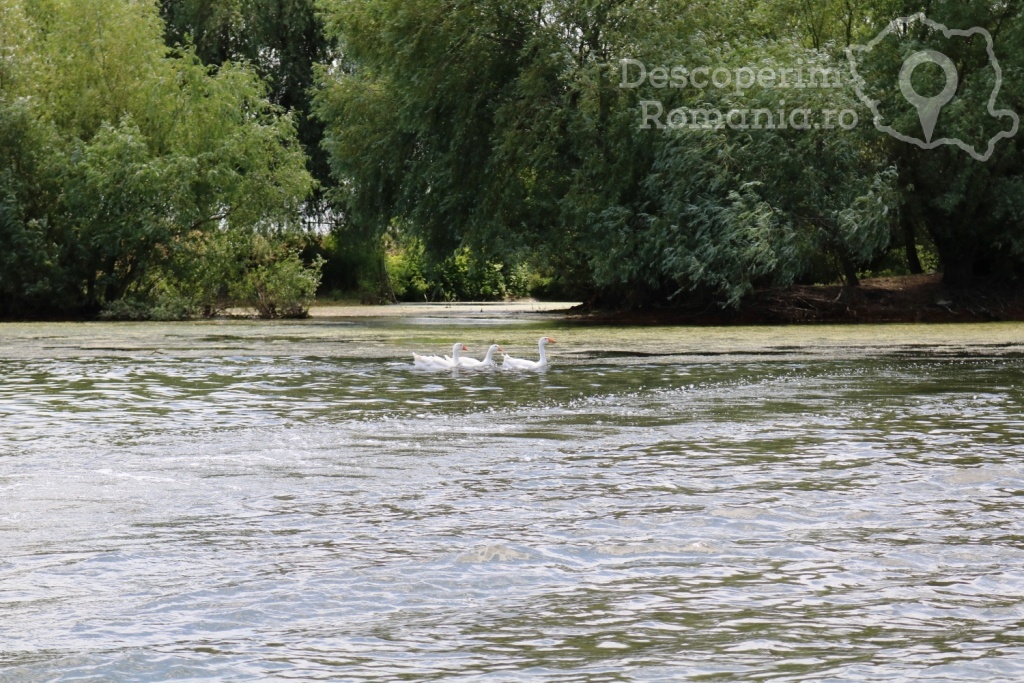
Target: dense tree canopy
122,160
283,40
161,154
505,127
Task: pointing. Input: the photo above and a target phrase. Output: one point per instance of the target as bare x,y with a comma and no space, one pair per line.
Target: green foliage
504,131
197,281
460,276
281,39
277,285
134,310
123,156
405,265
463,276
114,195
353,264
32,160
222,270
156,158
970,210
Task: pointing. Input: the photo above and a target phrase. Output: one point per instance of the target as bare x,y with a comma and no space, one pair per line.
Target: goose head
456,348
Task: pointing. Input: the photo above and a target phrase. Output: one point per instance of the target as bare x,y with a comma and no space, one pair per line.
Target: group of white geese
456,361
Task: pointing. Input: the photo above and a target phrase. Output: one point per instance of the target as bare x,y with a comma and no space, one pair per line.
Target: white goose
487,362
510,363
437,362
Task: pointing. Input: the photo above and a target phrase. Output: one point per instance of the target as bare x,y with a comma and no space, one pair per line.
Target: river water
239,500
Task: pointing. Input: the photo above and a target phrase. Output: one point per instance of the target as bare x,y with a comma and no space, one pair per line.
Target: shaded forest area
173,159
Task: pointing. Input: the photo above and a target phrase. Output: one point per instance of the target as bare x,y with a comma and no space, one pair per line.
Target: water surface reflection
638,512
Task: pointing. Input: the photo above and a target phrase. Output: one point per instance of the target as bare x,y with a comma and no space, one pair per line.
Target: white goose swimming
510,363
487,362
437,362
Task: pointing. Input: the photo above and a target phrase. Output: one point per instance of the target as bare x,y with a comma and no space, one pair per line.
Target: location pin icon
928,108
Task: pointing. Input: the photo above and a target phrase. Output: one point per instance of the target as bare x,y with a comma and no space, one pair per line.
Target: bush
465,277
283,288
163,308
126,309
405,271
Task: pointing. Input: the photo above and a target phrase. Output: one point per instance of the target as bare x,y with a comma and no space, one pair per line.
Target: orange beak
550,340
501,349
465,348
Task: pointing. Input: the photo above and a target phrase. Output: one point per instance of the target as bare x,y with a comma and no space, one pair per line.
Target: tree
131,154
971,209
283,40
505,128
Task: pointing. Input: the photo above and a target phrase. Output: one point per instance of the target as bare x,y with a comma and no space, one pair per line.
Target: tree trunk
957,254
957,263
958,273
849,272
910,244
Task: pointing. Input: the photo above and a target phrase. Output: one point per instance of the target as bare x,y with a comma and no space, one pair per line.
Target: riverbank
905,299
446,310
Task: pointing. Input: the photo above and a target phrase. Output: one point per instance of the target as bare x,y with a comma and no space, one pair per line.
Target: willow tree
282,40
137,155
966,192
506,126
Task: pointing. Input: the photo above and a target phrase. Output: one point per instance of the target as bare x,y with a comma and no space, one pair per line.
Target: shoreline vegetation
895,299
162,161
903,299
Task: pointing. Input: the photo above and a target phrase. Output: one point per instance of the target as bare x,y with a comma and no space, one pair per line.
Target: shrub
282,288
126,309
405,271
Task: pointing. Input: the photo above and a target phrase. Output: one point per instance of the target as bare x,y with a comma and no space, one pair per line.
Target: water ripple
313,518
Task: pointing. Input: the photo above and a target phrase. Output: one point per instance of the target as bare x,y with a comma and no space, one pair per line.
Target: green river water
248,501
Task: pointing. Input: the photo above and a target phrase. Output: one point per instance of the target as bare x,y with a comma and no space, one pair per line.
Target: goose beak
465,348
550,340
501,350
